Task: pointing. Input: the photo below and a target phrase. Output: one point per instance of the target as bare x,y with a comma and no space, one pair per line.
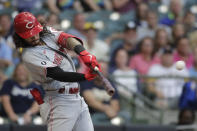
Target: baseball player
62,108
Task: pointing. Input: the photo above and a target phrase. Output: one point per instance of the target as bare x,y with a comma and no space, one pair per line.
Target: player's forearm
58,74
75,45
88,59
72,43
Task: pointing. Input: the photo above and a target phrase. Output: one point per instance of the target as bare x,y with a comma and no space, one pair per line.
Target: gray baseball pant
66,112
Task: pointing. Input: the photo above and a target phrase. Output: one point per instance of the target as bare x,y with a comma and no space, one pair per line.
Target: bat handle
96,68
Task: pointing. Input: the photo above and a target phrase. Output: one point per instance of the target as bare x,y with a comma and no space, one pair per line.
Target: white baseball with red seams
180,65
61,112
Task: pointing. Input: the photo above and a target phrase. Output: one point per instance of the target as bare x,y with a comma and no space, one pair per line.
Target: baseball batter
62,108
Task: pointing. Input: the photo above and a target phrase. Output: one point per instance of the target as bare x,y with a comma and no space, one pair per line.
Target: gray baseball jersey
38,58
61,112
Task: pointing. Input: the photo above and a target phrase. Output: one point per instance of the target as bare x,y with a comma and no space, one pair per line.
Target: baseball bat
107,85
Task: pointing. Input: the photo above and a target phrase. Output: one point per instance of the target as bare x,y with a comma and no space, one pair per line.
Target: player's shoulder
27,52
30,53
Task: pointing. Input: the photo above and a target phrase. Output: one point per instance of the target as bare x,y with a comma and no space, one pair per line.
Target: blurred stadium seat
68,14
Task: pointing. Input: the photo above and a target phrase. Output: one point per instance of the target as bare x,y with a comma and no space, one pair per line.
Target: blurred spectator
129,42
124,75
5,58
41,17
78,26
189,22
183,52
3,77
96,5
152,26
17,101
177,32
94,45
188,99
124,6
5,4
54,21
98,100
28,5
186,117
141,14
193,39
175,13
56,6
166,90
6,29
193,69
161,41
128,36
167,2
142,61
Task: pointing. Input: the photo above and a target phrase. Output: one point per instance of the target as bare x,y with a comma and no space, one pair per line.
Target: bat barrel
107,85
111,92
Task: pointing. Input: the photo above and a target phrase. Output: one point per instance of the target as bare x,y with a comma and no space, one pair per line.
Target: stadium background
137,42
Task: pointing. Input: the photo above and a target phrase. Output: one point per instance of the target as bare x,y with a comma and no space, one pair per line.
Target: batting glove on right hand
90,75
89,60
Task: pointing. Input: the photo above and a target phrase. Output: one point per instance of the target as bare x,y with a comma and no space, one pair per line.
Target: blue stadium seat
102,15
154,6
67,14
189,3
129,16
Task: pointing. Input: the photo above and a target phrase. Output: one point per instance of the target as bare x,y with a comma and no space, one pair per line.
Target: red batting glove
89,60
89,75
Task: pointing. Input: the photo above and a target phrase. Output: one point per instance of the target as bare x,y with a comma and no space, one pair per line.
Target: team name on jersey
57,59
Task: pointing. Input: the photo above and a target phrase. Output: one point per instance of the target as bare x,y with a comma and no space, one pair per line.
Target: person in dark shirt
18,103
188,97
97,99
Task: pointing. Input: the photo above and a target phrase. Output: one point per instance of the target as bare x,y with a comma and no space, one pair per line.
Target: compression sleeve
78,49
58,74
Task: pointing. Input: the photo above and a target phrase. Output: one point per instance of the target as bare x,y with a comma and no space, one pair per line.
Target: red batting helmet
26,25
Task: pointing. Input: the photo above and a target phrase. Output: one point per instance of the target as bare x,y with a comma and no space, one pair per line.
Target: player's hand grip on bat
89,60
90,75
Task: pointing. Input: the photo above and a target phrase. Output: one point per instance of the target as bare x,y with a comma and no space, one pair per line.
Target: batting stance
62,108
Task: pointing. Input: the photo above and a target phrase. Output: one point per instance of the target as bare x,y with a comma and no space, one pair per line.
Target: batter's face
34,40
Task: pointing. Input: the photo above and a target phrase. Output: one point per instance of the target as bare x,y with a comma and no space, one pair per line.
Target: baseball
180,65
